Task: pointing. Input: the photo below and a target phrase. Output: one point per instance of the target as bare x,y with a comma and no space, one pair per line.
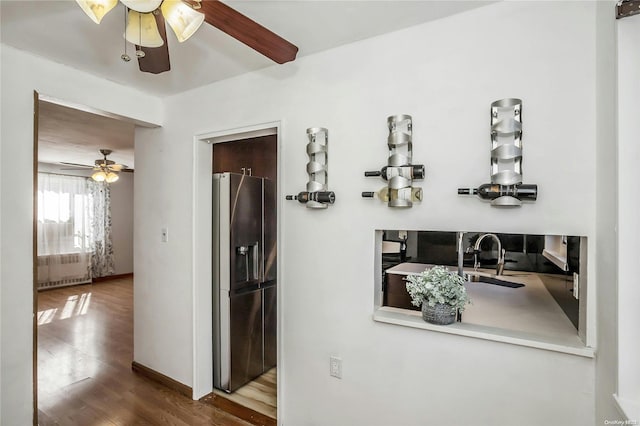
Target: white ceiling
61,32
73,136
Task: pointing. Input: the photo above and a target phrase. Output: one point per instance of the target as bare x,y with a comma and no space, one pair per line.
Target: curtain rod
62,174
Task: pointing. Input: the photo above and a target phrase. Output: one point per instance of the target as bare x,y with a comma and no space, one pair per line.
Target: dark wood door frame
36,114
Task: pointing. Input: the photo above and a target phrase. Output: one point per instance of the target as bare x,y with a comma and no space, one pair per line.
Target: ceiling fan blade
156,59
127,170
248,31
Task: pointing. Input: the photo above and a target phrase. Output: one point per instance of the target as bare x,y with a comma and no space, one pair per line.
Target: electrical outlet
164,235
335,367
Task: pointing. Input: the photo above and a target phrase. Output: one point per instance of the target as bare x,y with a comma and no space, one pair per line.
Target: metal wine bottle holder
399,172
317,195
506,188
506,142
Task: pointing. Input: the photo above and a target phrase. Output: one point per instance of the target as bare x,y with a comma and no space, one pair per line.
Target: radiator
59,270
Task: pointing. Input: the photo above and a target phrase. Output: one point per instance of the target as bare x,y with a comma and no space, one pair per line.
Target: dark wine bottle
415,171
490,191
325,197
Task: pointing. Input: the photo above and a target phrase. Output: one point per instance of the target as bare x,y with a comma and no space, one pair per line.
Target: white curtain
74,230
64,252
63,223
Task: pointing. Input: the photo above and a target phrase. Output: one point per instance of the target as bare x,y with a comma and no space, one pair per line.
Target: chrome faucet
501,252
461,254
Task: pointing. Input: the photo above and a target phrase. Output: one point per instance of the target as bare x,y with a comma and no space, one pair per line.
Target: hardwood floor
260,394
85,351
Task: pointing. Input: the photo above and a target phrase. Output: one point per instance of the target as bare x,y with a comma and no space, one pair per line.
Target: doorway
74,134
250,150
252,367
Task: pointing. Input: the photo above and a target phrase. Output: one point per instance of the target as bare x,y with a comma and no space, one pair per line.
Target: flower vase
440,314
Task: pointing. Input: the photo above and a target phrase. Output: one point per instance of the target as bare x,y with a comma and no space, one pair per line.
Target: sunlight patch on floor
78,303
75,305
46,316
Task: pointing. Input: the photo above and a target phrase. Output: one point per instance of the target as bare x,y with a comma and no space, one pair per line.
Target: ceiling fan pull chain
124,56
139,52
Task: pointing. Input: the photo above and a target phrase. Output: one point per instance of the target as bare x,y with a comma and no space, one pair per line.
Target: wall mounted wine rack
506,187
317,195
399,171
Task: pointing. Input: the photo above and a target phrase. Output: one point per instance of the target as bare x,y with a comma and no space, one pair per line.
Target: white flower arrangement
437,285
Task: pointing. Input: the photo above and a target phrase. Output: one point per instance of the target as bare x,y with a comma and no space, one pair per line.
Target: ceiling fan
145,27
104,170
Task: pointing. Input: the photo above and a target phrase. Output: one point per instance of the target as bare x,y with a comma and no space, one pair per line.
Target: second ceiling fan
104,170
146,28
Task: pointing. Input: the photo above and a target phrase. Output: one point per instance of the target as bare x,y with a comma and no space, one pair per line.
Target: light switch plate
164,235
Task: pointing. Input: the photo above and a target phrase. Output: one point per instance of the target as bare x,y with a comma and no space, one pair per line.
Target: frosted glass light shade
183,20
143,6
96,9
99,176
142,30
112,177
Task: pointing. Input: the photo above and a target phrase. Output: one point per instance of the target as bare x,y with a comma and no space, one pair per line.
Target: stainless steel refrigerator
244,278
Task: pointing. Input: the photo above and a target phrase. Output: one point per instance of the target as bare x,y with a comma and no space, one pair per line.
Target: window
74,230
64,214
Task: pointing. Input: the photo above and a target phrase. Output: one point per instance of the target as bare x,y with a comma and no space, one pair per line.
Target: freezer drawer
246,336
238,339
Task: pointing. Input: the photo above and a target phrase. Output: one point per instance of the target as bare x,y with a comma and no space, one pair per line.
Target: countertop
528,312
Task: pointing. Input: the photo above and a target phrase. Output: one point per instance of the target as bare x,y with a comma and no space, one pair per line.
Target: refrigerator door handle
256,260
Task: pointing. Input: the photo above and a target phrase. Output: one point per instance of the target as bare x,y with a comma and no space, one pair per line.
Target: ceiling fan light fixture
96,9
183,20
112,177
142,30
142,6
99,176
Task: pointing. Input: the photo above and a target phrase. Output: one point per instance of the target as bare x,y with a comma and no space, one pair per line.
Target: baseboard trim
111,277
238,410
152,374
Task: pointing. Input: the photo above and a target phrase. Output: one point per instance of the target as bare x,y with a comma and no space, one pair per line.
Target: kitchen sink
491,280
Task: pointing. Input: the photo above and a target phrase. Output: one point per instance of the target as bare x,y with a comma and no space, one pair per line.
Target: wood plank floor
85,350
260,394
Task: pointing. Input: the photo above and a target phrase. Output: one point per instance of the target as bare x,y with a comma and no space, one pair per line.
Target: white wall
445,74
21,75
121,215
1,328
122,223
606,212
629,225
